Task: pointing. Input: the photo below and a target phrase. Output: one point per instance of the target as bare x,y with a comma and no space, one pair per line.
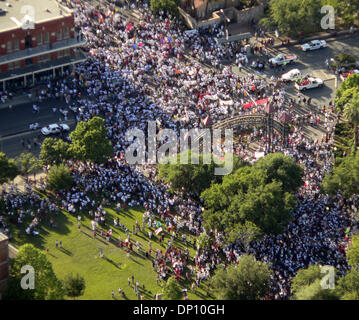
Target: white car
314,45
291,75
283,59
309,83
54,128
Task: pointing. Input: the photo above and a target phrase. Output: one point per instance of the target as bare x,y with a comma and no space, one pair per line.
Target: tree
277,166
27,163
344,177
8,169
351,113
244,234
170,6
353,252
59,178
47,285
54,151
191,178
295,16
252,193
204,241
172,291
74,285
90,141
306,285
346,91
348,286
248,280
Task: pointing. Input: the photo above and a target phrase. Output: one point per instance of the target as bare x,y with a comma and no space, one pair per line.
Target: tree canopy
74,285
346,91
306,285
47,285
59,178
54,151
172,291
344,177
256,194
248,280
8,169
89,141
27,163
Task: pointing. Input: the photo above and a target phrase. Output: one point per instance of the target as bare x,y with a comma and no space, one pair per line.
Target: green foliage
256,194
191,178
27,163
351,113
204,241
172,290
281,168
47,286
346,91
8,169
54,151
248,280
314,291
74,285
353,252
295,16
90,141
348,286
344,177
244,234
170,6
306,285
59,178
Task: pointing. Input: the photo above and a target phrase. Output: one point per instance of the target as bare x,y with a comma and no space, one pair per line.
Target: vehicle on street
291,75
314,45
309,83
281,59
55,128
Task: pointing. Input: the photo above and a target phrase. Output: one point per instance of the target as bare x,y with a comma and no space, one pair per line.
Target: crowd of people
152,70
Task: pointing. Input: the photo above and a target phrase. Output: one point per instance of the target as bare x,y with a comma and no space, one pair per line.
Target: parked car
309,83
291,75
314,45
55,128
282,59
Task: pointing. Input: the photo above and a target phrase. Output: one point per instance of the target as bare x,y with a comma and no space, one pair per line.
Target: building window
66,33
16,45
10,66
66,52
59,34
47,37
44,58
17,64
39,39
9,46
60,54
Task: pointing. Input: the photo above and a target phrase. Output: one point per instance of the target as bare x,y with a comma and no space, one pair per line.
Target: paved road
14,124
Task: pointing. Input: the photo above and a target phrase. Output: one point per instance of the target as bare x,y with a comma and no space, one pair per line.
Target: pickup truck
309,83
283,59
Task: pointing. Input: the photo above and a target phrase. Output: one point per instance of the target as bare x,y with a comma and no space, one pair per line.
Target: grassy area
80,254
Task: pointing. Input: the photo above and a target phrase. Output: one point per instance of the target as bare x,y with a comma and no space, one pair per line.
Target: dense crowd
152,70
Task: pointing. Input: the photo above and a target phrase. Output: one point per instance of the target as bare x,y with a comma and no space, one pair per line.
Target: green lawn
80,254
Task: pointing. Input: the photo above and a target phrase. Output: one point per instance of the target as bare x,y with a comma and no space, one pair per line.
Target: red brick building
37,39
4,261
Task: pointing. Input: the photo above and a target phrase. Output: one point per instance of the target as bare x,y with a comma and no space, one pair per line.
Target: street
14,125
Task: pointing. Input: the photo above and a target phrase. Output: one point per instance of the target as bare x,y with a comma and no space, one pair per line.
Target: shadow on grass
63,250
112,262
95,238
136,261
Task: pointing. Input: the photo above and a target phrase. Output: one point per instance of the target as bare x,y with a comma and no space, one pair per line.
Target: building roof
19,11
